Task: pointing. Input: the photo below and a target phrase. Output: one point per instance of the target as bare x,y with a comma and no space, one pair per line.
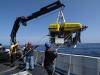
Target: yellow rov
66,27
67,33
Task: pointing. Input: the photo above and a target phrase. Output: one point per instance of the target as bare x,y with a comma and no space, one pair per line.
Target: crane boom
24,19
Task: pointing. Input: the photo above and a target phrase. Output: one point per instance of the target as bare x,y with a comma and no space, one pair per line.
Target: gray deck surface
7,70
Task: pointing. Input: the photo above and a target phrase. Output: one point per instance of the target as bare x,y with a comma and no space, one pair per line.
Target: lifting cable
61,16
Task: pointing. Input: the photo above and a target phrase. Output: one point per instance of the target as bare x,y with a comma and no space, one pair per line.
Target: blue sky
86,12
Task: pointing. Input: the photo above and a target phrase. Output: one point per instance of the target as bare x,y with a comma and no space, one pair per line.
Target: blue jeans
29,62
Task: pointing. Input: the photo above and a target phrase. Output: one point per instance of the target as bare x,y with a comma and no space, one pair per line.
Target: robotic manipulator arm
23,19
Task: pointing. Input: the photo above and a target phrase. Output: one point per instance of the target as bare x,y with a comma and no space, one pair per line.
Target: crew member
29,56
50,56
13,49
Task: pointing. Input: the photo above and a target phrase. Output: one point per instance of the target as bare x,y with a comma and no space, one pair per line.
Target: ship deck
73,65
8,70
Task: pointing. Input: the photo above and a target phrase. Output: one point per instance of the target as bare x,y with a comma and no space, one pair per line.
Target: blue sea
89,49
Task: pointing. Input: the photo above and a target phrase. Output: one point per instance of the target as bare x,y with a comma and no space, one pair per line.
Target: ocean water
89,49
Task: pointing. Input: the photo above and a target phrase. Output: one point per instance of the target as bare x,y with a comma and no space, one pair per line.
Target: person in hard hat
13,49
29,56
50,56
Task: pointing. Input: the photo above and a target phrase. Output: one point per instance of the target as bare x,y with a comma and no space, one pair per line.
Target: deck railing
70,64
